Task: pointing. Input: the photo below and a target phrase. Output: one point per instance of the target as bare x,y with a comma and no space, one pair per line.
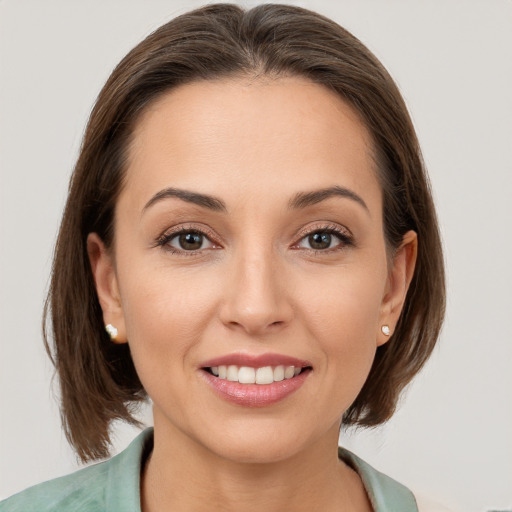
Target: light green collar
123,486
386,494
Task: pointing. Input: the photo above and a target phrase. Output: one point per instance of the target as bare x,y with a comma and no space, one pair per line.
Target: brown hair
98,381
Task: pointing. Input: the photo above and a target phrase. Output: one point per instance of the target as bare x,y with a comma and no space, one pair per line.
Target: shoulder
97,487
386,494
83,490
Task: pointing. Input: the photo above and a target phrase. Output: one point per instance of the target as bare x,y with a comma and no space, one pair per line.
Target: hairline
250,77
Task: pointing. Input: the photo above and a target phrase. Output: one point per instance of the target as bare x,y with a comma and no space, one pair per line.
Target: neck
182,475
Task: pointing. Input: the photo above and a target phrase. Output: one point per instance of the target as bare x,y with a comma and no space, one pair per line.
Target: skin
255,286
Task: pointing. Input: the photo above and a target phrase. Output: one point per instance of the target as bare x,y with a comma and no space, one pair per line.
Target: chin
252,452
264,441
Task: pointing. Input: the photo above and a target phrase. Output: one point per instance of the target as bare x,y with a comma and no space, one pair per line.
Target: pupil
191,241
320,240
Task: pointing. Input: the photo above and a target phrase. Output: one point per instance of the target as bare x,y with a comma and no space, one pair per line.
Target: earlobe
399,278
105,280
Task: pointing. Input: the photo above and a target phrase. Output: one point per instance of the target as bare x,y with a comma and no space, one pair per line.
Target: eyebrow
300,200
304,199
210,202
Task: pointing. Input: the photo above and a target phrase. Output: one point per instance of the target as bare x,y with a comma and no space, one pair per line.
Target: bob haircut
98,381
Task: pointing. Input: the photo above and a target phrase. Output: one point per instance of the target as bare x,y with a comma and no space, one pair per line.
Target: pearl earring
112,331
385,330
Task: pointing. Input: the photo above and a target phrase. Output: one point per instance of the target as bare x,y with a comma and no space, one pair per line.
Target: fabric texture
114,486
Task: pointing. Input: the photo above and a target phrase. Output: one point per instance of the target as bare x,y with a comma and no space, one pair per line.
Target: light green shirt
114,486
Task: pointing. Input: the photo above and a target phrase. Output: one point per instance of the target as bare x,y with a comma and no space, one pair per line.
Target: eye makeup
193,240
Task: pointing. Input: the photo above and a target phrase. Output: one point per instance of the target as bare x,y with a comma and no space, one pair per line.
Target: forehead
236,135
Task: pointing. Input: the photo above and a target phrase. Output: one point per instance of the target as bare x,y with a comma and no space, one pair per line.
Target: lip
255,395
255,361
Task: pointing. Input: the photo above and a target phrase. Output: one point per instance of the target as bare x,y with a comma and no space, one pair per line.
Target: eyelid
325,226
170,233
171,239
341,232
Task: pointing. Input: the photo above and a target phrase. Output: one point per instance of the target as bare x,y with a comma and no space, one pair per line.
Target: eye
326,239
191,241
320,240
186,241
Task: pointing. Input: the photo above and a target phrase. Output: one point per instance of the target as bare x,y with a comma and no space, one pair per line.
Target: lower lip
255,395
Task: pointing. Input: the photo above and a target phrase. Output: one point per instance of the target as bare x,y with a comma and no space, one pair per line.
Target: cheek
342,314
345,302
165,314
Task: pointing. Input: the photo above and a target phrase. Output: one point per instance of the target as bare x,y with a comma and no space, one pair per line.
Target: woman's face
249,234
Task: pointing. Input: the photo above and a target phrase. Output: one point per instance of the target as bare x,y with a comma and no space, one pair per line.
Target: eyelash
163,241
346,239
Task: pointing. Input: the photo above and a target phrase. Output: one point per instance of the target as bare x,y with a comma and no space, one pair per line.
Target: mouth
262,375
255,381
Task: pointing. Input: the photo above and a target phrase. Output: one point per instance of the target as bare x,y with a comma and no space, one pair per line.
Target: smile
255,381
249,375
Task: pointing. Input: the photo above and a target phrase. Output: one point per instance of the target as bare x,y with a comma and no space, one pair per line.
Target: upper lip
255,361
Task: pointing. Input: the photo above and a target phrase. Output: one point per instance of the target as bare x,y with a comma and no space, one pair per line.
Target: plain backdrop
452,59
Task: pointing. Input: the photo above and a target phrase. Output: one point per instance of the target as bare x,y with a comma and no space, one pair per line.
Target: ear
105,279
399,278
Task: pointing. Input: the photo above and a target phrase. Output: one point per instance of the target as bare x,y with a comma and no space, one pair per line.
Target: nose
256,295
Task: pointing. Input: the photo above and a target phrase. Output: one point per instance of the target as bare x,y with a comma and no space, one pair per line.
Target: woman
249,241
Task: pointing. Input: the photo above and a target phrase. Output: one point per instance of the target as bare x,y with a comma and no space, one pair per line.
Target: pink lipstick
255,380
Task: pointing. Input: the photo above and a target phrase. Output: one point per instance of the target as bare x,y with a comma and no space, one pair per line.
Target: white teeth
248,375
264,375
232,373
279,373
289,372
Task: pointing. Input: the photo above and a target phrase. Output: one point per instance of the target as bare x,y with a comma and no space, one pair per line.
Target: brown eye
326,240
189,241
320,240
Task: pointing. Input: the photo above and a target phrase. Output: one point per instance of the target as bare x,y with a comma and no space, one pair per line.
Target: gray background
453,62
